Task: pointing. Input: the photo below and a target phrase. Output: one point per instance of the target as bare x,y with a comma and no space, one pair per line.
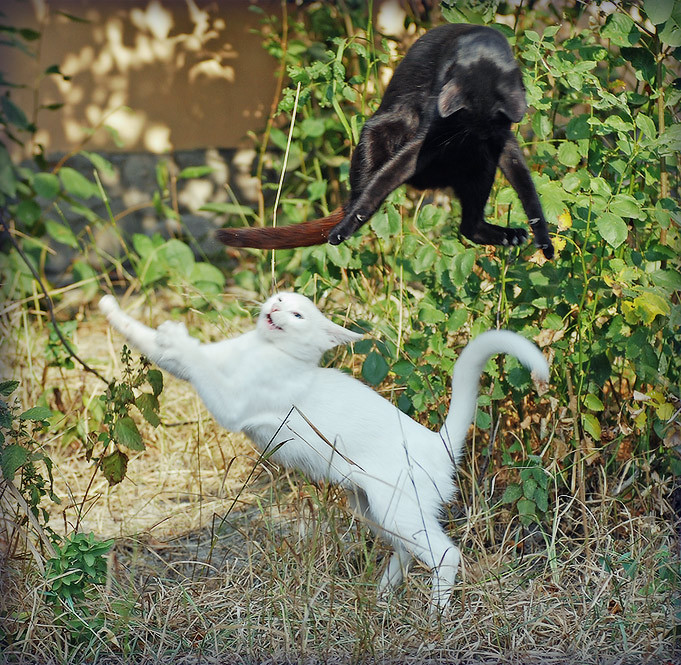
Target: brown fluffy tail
314,232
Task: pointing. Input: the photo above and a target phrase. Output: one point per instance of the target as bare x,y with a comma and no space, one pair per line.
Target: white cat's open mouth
271,324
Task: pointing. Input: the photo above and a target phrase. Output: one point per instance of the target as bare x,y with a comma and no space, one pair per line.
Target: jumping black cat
444,121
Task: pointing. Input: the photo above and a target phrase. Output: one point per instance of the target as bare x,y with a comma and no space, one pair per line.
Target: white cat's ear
450,100
337,335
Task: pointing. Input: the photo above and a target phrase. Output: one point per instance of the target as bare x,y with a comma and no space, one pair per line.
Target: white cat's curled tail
466,379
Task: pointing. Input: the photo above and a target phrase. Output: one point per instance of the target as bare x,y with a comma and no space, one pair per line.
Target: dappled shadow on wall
147,76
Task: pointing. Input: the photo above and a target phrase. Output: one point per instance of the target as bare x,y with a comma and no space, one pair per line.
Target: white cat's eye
298,315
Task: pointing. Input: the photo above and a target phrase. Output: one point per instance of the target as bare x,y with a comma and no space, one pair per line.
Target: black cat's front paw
513,237
541,236
343,230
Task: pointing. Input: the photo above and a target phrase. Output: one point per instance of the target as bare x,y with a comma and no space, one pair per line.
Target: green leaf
8,179
8,387
37,413
99,162
76,183
375,368
12,459
46,185
527,507
386,225
541,125
195,172
312,127
316,190
612,228
658,11
568,154
591,426
529,488
61,233
205,272
592,402
155,380
646,125
625,205
542,500
148,406
512,493
125,433
578,128
178,257
641,59
456,319
28,212
114,466
425,258
671,33
620,30
428,313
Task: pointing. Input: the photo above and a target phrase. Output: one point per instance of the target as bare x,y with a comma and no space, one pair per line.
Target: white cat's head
293,323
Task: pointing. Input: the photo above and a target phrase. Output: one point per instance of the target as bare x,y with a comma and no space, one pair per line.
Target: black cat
445,121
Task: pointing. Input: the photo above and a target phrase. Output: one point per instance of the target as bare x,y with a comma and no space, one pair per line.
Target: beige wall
190,72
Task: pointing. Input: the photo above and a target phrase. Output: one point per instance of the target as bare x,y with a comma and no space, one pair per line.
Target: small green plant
79,563
20,453
72,574
531,493
119,430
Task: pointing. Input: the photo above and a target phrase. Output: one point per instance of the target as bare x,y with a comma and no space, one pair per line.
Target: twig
48,299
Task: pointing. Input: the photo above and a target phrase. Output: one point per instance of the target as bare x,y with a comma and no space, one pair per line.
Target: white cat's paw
108,304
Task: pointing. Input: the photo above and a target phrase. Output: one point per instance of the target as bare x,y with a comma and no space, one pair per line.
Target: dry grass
219,559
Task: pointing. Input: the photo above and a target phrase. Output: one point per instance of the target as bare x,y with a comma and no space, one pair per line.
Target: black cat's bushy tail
314,232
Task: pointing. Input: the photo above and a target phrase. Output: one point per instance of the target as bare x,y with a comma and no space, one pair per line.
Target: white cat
267,384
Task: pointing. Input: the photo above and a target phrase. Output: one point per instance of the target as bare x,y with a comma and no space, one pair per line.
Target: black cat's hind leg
473,196
515,169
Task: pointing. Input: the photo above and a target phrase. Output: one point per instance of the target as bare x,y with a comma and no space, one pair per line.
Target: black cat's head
483,80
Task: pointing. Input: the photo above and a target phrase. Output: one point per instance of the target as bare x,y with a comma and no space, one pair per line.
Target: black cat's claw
346,228
547,250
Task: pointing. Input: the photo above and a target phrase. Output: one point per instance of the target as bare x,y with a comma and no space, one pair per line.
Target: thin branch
48,299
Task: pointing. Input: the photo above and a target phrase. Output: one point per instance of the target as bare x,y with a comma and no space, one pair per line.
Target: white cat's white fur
267,384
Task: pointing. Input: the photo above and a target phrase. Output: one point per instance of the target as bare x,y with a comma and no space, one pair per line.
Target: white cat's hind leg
444,577
395,571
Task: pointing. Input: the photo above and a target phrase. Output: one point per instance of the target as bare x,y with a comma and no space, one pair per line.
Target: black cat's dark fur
444,121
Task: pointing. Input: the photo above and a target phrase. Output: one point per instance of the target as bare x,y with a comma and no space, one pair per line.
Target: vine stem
48,299
283,174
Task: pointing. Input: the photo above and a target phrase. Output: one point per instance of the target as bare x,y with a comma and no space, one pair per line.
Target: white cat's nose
275,308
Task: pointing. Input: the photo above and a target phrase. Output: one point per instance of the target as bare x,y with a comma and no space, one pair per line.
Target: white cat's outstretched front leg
170,346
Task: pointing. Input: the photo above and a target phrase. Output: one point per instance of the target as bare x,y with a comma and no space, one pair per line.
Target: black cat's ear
450,100
513,105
